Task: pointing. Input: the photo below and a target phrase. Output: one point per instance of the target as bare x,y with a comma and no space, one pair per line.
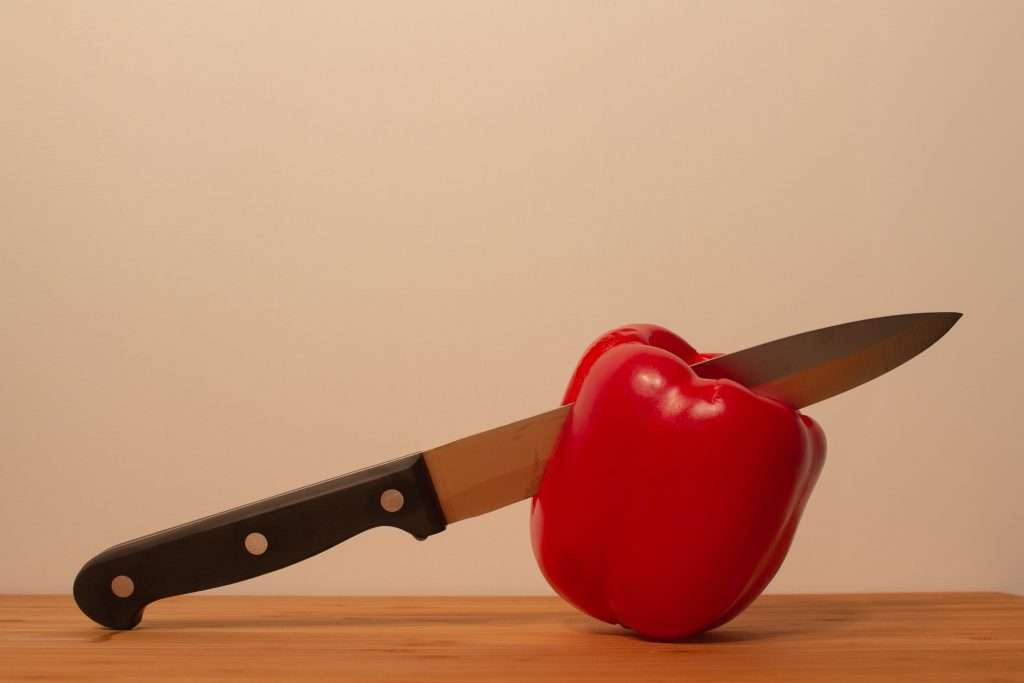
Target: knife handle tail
114,587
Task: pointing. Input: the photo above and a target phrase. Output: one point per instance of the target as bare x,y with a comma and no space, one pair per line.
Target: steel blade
812,366
492,469
501,466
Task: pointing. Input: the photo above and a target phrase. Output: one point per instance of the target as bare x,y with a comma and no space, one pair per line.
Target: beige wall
247,246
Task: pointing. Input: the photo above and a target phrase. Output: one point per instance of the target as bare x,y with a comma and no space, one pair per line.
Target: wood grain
955,636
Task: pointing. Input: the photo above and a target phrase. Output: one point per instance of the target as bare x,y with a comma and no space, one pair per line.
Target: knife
424,492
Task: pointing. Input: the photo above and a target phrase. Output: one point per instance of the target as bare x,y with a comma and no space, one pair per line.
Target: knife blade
424,492
489,470
812,366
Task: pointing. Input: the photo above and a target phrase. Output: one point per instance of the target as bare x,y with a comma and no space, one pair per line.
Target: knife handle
114,587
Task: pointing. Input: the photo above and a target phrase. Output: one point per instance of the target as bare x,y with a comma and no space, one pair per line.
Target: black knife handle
114,587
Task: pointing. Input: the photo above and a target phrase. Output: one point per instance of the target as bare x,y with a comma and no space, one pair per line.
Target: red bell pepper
670,500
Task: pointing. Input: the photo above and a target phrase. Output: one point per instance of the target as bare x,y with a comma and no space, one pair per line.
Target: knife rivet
256,543
122,586
392,500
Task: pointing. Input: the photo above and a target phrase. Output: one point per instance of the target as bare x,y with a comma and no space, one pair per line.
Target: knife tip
945,319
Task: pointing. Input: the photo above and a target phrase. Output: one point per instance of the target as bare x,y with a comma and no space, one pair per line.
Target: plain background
247,246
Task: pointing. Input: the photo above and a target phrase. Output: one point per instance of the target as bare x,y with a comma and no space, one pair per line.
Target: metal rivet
122,586
256,543
392,500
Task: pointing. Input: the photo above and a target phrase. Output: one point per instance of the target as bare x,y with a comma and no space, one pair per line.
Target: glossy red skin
670,501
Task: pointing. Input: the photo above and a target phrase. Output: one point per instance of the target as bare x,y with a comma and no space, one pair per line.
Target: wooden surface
955,636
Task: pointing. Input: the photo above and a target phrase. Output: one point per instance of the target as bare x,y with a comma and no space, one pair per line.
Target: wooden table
928,637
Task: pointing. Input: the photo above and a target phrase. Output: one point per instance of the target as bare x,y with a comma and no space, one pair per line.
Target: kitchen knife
423,492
